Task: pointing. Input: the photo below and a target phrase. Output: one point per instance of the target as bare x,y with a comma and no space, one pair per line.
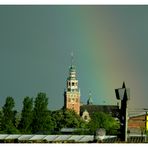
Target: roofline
138,115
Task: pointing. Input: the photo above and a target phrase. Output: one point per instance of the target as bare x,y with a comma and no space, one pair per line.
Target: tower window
72,99
76,99
73,83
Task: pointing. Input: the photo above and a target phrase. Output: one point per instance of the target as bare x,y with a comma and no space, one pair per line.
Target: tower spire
72,58
72,93
89,101
123,85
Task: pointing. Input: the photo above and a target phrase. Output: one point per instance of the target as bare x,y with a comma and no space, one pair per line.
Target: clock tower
72,92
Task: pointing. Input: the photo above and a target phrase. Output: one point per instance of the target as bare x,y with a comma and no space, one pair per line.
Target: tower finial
89,101
72,58
89,94
123,85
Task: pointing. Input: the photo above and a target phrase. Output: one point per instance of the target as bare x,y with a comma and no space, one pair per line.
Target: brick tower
72,93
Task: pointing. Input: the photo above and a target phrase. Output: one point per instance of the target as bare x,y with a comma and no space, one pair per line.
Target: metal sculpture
123,94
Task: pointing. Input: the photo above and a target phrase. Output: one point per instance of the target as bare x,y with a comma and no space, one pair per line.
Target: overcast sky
110,45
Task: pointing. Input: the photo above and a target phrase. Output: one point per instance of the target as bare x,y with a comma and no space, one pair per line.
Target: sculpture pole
123,95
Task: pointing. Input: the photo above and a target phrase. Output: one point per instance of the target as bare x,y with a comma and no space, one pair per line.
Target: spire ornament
72,59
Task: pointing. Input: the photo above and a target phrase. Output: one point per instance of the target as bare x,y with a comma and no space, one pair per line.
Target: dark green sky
109,44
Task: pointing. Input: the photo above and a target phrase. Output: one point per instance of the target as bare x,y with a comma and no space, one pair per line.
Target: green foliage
0,120
17,119
9,117
26,116
42,122
67,119
73,120
103,120
58,119
35,118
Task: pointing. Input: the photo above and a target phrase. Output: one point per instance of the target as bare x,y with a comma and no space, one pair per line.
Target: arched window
85,117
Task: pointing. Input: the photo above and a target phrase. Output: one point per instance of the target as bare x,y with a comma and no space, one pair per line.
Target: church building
72,99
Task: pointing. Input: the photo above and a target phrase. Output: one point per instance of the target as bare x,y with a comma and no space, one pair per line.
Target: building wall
73,101
137,122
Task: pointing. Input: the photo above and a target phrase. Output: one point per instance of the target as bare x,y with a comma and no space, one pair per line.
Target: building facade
138,124
72,99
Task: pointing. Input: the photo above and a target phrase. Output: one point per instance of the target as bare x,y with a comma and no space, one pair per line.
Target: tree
103,120
17,119
58,119
72,120
26,116
9,117
67,119
0,120
42,122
